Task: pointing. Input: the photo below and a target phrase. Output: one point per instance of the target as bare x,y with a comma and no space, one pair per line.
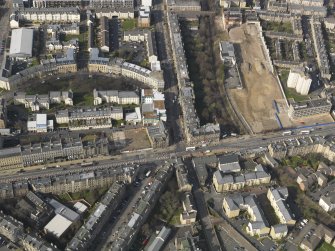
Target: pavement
121,216
242,144
205,219
164,51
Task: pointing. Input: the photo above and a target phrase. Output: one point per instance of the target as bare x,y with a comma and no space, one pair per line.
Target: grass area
312,160
289,92
175,219
81,37
91,196
64,197
278,26
78,83
34,62
169,205
325,247
82,99
89,137
129,24
118,123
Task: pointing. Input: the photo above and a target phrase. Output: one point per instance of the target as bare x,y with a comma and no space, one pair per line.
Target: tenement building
66,181
309,108
303,146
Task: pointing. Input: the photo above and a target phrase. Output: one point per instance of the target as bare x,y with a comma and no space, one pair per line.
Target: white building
153,106
80,207
114,96
144,16
21,43
134,117
146,3
63,15
327,202
56,97
298,80
57,226
39,123
14,21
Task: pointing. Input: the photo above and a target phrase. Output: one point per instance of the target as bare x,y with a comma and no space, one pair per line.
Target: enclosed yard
135,139
78,83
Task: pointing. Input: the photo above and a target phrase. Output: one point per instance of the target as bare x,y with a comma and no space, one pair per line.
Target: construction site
260,86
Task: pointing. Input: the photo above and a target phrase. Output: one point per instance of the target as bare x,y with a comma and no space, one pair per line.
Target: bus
287,133
87,164
190,148
304,132
148,174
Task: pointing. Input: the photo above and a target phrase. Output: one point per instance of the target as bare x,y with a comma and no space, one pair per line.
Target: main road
232,144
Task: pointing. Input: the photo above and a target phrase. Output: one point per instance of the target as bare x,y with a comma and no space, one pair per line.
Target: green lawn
326,247
64,197
34,62
175,219
80,37
312,160
89,137
278,26
83,99
128,24
91,196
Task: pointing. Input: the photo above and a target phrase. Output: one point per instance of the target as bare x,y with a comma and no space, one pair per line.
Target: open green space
312,160
83,99
91,196
289,92
89,137
278,26
79,83
64,197
128,24
325,247
81,37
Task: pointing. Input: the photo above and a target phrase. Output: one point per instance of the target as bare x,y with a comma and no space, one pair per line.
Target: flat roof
58,225
21,44
41,119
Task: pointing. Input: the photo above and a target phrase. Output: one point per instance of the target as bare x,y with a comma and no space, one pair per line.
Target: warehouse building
21,44
57,226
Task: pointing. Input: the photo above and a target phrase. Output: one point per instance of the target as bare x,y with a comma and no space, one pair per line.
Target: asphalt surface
121,216
243,144
164,51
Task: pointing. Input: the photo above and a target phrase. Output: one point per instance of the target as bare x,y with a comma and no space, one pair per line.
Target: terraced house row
70,182
59,147
303,146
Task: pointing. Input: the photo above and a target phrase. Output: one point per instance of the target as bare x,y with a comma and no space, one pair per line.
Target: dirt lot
136,139
255,101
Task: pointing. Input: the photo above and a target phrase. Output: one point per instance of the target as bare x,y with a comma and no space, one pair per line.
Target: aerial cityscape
167,125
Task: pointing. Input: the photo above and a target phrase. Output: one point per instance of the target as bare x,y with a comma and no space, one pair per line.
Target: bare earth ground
136,139
255,101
